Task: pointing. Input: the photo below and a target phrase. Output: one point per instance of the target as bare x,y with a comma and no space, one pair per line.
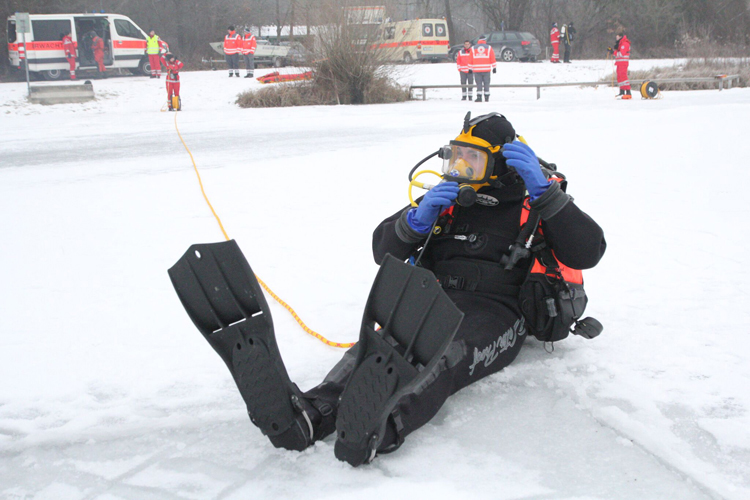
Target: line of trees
656,27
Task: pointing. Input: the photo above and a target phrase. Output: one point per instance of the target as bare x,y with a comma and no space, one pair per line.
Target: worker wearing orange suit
232,49
463,61
69,48
482,62
554,39
173,67
248,51
97,47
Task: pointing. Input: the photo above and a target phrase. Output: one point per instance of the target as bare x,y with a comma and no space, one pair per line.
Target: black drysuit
465,257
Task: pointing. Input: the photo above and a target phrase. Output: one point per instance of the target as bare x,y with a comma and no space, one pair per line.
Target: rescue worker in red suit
554,39
154,47
232,49
622,60
463,61
173,67
248,51
482,61
97,47
70,53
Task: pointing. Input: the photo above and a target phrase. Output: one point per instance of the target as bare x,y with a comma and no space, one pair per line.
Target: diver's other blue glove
521,157
437,199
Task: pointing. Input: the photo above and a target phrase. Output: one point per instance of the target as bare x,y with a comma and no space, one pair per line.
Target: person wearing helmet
173,67
465,247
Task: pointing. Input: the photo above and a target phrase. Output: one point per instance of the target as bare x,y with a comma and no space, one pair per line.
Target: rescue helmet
554,25
169,56
474,156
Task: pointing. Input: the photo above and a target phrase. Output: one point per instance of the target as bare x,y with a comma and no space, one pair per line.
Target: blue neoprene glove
521,157
437,199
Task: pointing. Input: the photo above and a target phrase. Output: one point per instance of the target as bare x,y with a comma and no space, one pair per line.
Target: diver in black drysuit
428,348
492,332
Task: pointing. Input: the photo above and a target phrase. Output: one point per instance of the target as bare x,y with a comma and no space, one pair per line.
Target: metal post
538,93
26,63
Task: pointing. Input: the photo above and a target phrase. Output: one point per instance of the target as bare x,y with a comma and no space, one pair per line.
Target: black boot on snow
417,317
486,98
478,99
221,295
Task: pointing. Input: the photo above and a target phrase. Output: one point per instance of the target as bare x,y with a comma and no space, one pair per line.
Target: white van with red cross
124,43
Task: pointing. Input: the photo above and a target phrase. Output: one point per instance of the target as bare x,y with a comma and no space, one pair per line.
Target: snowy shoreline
110,392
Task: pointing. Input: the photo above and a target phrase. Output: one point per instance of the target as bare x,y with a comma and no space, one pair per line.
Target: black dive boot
408,324
221,295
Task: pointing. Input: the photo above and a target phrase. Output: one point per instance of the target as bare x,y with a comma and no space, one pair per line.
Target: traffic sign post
23,26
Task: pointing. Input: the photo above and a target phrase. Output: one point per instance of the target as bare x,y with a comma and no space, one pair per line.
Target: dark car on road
508,45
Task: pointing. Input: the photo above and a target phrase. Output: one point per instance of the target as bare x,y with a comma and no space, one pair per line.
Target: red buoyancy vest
232,43
554,36
97,44
568,273
68,46
623,50
463,60
173,70
249,44
482,58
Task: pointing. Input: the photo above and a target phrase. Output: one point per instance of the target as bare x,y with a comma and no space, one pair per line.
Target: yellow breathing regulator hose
262,283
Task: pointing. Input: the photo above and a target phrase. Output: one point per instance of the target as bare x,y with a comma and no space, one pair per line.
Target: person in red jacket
248,51
173,67
463,61
482,61
554,39
232,49
622,60
97,47
70,53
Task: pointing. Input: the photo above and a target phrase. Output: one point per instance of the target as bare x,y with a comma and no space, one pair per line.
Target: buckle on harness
453,282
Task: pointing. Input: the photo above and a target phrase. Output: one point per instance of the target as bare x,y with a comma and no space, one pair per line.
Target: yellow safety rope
265,287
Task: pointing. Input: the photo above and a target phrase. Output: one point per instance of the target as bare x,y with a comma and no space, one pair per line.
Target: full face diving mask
467,160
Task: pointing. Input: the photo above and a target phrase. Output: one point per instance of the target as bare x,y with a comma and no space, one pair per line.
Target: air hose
262,283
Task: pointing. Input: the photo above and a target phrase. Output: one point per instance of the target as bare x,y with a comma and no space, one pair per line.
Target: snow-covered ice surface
108,391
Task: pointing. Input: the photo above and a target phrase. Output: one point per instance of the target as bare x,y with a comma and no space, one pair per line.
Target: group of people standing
158,55
236,44
566,34
476,62
93,42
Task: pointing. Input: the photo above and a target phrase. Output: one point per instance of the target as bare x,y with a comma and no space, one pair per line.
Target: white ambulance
124,43
413,40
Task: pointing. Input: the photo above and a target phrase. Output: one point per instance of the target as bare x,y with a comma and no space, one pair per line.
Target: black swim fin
417,323
221,295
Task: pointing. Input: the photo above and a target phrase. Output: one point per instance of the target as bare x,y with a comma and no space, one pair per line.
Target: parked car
508,45
298,55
